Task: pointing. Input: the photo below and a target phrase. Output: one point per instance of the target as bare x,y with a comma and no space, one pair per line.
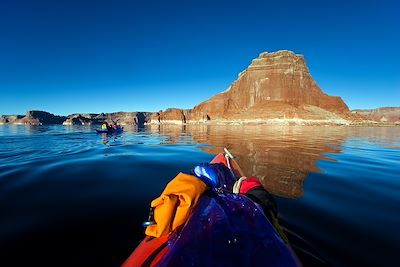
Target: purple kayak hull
227,230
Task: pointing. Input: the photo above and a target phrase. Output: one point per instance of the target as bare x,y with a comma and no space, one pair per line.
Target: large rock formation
382,115
275,86
36,117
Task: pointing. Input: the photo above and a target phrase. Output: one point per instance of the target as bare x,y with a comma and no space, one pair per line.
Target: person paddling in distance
115,126
104,126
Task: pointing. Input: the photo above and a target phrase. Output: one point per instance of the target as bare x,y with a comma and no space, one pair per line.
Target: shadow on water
71,197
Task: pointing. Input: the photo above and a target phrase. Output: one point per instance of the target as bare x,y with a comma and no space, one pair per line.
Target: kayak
118,130
223,229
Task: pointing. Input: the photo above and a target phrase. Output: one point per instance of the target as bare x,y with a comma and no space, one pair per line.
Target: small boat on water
213,217
110,130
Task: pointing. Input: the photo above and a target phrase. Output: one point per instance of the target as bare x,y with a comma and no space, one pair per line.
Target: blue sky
105,56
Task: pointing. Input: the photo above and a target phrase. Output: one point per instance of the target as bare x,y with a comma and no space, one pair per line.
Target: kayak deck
223,229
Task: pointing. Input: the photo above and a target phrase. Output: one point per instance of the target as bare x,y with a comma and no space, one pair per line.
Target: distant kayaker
104,126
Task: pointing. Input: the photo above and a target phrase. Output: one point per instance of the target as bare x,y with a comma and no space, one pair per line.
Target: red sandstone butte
275,85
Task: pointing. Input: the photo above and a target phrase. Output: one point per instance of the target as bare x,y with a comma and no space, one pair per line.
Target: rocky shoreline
148,118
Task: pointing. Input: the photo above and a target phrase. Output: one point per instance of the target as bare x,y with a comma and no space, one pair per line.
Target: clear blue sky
104,56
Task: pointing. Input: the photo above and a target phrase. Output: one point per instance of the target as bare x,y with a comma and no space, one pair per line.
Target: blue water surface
76,198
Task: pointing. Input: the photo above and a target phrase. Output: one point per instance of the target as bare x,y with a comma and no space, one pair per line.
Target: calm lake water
71,197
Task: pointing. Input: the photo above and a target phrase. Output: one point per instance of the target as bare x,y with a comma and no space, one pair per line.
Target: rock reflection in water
280,156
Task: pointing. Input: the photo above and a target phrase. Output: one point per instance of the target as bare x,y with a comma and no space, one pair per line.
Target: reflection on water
67,184
280,156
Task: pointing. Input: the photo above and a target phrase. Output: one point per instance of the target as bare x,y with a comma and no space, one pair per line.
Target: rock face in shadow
42,117
83,119
123,118
385,114
33,117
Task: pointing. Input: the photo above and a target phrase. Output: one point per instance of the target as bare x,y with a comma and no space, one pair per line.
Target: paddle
233,165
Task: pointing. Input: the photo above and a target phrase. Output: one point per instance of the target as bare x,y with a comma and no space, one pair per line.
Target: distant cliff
11,119
43,118
384,114
171,116
33,117
123,118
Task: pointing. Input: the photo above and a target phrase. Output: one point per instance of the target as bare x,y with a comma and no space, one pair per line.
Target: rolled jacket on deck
173,207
